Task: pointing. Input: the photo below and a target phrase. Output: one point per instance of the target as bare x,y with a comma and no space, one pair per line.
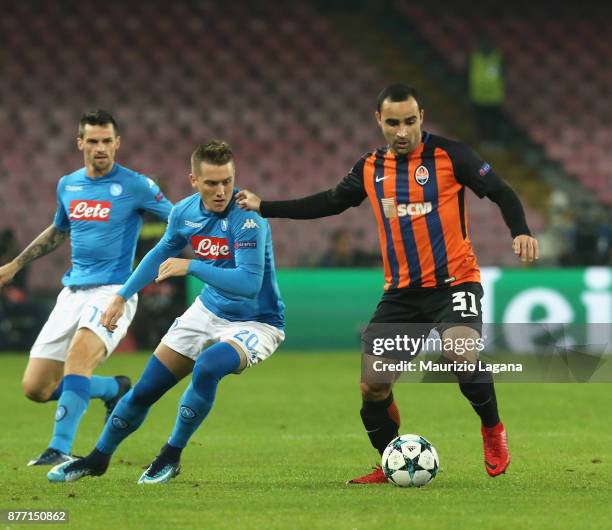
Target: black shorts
417,312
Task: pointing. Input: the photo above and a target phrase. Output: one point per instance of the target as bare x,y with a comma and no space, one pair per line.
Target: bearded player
416,187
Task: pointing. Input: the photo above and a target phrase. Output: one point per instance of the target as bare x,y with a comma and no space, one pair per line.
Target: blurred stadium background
292,86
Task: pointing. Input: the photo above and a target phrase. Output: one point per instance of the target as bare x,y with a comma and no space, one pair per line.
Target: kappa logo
249,223
211,247
74,188
421,175
83,210
224,225
191,224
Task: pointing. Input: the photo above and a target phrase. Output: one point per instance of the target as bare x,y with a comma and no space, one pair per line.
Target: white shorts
81,308
198,328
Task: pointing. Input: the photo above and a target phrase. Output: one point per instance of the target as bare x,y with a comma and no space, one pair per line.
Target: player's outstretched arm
168,246
47,241
526,248
144,274
349,192
244,280
321,204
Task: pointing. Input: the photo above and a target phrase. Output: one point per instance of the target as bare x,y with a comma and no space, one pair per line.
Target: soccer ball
410,460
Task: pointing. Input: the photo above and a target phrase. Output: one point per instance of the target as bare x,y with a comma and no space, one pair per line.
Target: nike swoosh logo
374,430
468,314
379,179
492,467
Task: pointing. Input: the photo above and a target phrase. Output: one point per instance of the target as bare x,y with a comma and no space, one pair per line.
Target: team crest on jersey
116,189
224,225
421,175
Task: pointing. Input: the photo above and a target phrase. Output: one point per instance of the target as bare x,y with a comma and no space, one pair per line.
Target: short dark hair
96,117
397,92
216,152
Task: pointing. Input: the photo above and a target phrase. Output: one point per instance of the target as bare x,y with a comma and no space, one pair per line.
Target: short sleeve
61,220
173,240
151,199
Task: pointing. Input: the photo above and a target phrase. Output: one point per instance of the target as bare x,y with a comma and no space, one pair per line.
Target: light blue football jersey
104,217
234,240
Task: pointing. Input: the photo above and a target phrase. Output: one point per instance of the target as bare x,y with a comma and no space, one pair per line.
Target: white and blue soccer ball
410,461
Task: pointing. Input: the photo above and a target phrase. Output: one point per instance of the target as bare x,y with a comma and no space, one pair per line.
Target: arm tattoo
46,242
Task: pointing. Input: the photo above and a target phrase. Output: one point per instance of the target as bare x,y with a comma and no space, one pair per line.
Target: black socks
381,420
479,390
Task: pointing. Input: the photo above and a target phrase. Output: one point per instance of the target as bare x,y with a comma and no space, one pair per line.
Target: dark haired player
236,322
416,186
99,207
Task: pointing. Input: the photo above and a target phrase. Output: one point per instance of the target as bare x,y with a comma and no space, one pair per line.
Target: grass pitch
283,438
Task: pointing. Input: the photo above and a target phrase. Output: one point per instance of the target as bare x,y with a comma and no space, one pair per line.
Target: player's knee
374,392
35,392
465,344
212,366
204,371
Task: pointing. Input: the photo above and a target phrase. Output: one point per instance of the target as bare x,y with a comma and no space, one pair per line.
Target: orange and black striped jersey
420,208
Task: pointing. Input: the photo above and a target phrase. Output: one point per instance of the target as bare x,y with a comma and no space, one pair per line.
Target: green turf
282,439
